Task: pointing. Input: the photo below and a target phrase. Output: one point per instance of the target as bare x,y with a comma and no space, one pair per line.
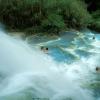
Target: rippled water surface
66,72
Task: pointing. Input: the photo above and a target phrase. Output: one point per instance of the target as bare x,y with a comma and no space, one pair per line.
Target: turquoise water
73,47
66,72
70,46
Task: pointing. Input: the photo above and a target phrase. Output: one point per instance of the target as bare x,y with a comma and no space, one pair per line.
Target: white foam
30,72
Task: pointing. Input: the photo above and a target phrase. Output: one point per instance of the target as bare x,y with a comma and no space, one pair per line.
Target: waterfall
28,74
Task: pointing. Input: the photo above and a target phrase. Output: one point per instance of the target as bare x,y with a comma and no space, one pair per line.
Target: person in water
45,50
93,38
42,48
98,69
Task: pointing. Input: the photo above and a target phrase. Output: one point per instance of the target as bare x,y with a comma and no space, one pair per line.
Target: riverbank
24,34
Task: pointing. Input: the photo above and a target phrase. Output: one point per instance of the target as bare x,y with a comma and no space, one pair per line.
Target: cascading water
28,74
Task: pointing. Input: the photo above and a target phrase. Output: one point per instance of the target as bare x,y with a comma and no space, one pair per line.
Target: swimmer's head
97,68
93,37
42,48
46,48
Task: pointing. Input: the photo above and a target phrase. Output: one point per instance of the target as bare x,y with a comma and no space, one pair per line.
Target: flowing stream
67,72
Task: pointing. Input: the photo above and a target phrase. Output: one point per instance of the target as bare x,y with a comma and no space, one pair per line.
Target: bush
47,15
95,24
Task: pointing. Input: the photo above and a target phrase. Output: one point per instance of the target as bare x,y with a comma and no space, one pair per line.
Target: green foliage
93,7
44,15
53,23
95,24
76,14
